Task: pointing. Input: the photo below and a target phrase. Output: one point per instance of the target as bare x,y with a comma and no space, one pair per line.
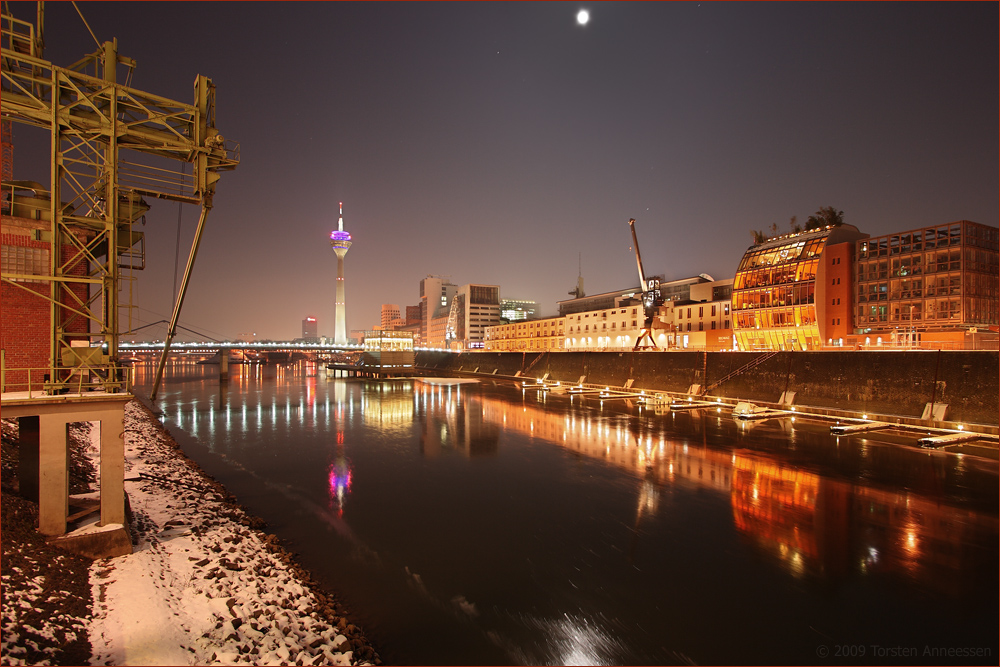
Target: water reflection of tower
340,241
339,476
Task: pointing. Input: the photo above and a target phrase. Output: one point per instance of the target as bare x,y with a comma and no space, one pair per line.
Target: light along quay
484,521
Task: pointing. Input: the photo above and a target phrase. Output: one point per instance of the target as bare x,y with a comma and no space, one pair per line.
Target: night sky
499,143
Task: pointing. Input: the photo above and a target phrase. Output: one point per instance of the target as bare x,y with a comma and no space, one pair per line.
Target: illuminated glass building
794,292
513,310
927,286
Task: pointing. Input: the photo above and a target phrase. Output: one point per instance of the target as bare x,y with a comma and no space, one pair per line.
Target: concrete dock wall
882,383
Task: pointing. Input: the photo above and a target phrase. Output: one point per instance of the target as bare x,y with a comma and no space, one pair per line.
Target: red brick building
26,325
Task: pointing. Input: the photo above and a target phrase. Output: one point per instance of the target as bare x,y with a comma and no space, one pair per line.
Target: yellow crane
112,146
651,297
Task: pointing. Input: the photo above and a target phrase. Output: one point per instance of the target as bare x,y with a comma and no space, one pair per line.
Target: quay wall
879,383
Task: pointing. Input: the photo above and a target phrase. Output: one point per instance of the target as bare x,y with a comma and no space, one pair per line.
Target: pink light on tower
340,241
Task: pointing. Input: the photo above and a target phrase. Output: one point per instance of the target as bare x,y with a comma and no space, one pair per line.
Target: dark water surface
481,524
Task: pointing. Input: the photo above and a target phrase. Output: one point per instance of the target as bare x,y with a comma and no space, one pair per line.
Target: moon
582,17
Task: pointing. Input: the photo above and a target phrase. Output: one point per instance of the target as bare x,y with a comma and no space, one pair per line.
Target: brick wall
25,332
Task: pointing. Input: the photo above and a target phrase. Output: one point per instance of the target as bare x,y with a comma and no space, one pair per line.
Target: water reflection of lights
870,560
573,640
649,498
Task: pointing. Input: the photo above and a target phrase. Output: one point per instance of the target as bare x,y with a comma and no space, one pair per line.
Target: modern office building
390,313
935,286
514,310
310,330
793,292
340,241
436,293
473,309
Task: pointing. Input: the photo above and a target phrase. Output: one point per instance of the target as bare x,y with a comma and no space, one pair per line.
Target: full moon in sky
582,17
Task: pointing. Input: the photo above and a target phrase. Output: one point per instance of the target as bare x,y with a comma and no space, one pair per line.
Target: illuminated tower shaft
340,241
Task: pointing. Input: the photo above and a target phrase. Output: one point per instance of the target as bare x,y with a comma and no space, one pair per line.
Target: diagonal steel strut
172,329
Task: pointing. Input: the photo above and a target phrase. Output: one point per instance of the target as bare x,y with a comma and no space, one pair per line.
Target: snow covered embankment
203,587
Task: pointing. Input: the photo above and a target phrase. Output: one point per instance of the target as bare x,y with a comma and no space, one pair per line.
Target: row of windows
940,237
891,290
793,273
946,260
778,318
484,294
701,326
941,309
604,314
604,326
701,311
790,252
779,339
791,295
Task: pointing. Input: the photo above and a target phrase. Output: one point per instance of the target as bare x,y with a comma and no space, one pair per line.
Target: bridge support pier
224,365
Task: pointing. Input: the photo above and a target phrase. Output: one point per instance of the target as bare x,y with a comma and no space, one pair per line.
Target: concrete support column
224,365
113,468
53,479
27,476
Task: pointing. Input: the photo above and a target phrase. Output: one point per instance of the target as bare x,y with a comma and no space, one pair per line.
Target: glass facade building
935,278
793,292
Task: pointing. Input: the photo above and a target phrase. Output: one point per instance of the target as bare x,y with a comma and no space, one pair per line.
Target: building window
713,313
701,311
26,261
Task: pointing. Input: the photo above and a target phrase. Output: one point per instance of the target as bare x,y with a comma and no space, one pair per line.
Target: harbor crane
652,299
112,146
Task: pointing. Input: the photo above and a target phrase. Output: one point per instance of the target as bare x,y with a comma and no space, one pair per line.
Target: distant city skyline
503,143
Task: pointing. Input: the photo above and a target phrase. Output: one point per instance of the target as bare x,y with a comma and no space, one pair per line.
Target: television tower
340,241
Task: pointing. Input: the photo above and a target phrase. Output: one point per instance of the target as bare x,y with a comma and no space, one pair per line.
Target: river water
479,523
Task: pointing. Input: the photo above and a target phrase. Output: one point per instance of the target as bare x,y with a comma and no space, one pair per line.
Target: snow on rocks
204,585
45,598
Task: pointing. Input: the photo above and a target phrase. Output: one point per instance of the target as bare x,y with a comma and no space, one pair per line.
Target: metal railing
36,382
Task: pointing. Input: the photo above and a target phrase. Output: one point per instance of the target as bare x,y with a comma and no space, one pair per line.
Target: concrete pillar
224,365
53,481
113,468
27,474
